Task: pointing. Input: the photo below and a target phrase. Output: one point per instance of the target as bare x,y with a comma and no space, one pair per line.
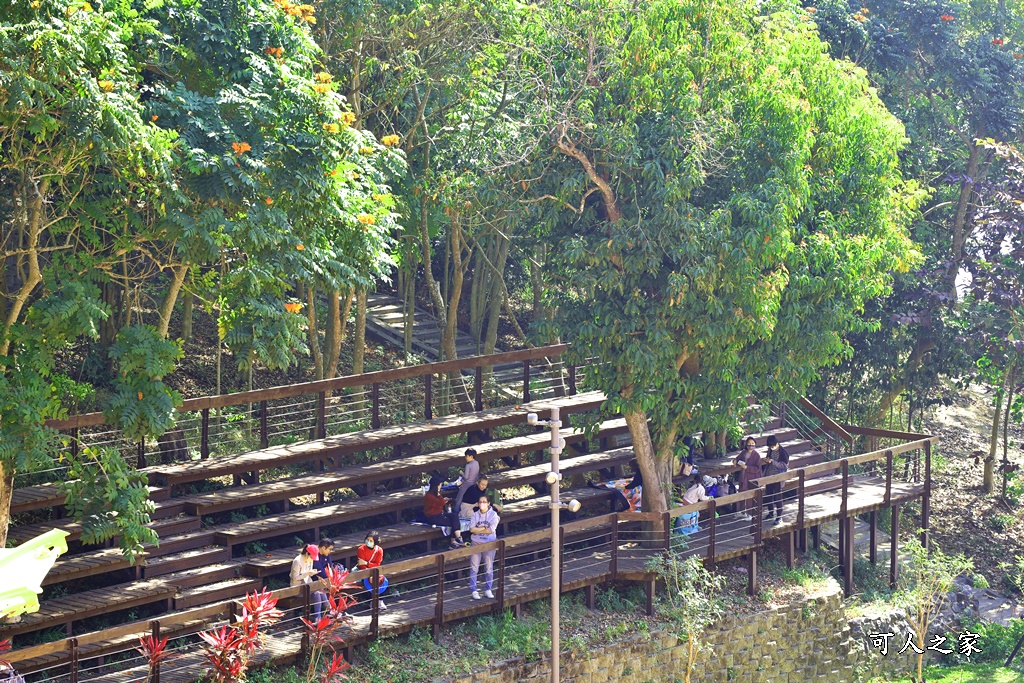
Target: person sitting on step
370,556
435,512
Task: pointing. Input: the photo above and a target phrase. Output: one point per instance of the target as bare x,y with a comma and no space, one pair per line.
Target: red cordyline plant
229,649
155,651
329,628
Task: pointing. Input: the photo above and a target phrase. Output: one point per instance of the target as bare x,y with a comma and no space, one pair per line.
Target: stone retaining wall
805,642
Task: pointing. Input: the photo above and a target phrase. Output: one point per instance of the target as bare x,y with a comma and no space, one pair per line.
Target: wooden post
526,381
572,379
752,572
816,537
666,520
614,569
439,601
711,533
478,388
374,602
264,437
375,395
873,536
501,575
848,554
154,627
304,644
894,546
844,504
74,443
926,501
73,647
204,438
842,542
758,516
141,464
428,392
321,415
888,477
790,541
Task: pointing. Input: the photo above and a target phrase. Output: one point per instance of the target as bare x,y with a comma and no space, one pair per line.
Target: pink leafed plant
154,650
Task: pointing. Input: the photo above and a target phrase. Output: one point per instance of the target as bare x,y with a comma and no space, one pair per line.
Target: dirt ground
964,519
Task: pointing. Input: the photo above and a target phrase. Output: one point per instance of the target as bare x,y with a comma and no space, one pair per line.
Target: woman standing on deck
749,461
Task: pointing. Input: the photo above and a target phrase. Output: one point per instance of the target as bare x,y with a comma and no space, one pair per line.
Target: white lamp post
554,478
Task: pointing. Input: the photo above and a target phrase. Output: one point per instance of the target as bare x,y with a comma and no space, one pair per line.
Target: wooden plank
343,444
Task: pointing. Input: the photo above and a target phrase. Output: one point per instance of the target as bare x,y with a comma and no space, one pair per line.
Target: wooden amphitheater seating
315,518
344,444
349,477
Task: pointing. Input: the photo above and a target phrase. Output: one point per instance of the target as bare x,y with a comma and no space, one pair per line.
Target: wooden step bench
315,518
173,564
355,475
69,609
166,526
344,444
42,496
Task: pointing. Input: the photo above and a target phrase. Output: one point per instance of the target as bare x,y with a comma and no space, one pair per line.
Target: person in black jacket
776,461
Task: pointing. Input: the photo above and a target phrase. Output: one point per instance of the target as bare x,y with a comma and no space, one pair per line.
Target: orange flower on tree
293,307
390,140
332,127
947,17
348,117
997,41
275,51
241,147
366,218
105,85
269,201
812,10
140,395
300,247
366,150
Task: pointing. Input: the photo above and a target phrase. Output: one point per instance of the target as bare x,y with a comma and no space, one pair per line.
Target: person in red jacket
369,556
434,513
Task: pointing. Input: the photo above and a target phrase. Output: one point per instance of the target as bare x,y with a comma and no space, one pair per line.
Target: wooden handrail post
374,602
154,627
926,500
478,388
142,455
264,436
439,601
758,516
526,381
375,397
614,569
800,491
74,442
304,643
204,437
894,546
321,415
501,575
428,393
73,647
711,532
666,520
846,487
888,477
572,379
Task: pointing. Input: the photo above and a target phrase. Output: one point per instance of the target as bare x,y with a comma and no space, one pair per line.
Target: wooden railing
609,542
421,400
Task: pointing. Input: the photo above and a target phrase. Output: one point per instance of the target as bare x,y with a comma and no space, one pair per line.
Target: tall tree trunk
170,299
314,333
6,490
959,236
655,498
337,321
186,317
922,346
32,275
537,284
989,476
359,342
1010,386
496,296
